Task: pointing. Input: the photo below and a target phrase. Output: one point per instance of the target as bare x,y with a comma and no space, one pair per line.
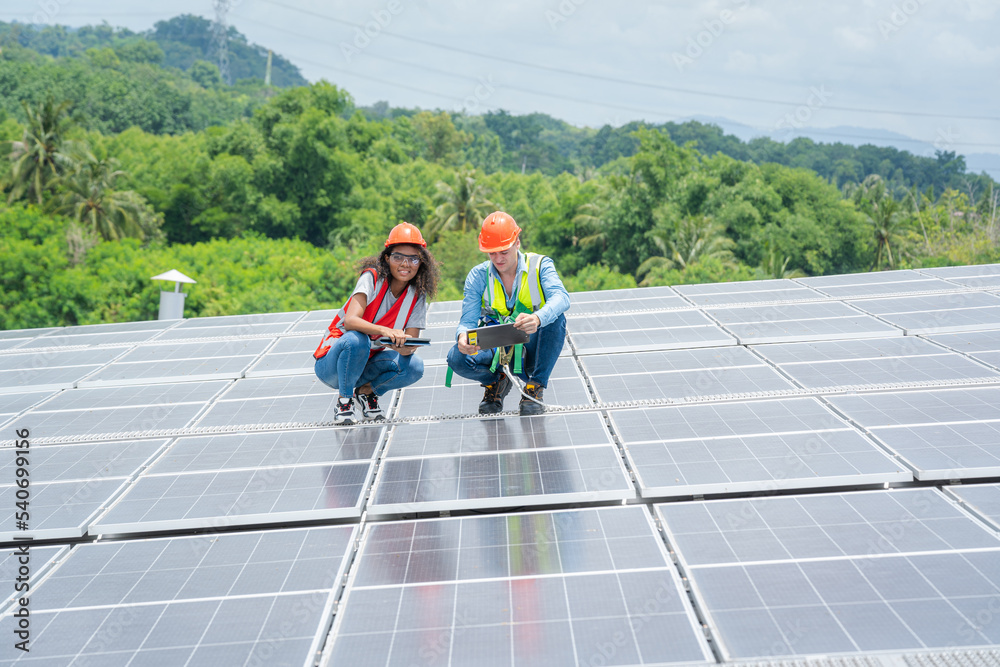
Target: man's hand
464,347
527,323
405,350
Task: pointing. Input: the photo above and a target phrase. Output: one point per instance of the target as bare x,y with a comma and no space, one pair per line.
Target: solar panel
179,370
747,292
83,425
834,573
251,320
761,446
42,371
244,598
943,435
862,524
707,381
969,342
853,363
61,510
498,479
64,340
224,498
85,461
606,342
610,305
25,333
937,313
277,410
468,436
292,385
574,587
11,343
120,397
795,322
464,396
637,321
660,292
261,450
13,403
40,559
290,355
876,283
982,499
235,331
958,272
897,603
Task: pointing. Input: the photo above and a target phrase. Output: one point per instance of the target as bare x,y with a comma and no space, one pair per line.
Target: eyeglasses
400,258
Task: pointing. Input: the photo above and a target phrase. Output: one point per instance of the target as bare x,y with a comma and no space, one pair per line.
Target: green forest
127,155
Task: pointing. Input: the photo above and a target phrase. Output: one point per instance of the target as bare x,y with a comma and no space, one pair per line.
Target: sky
928,69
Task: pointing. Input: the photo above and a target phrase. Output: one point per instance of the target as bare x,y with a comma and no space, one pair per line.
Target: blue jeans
540,355
347,366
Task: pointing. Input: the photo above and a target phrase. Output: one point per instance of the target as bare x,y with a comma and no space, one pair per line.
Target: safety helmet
498,233
404,232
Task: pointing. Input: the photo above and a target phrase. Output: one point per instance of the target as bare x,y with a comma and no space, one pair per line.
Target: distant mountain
855,136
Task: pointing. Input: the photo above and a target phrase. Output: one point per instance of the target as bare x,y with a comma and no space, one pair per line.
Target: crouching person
518,287
389,301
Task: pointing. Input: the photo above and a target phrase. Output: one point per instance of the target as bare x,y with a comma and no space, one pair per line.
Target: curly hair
426,279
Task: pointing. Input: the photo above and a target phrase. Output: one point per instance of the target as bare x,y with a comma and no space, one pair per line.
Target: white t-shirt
366,286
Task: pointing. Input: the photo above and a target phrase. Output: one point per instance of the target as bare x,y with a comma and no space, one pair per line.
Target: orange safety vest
396,318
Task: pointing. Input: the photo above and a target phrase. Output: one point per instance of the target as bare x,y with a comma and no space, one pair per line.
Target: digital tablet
410,342
498,335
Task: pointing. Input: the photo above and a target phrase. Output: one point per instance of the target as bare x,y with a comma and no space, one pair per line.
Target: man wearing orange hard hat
511,287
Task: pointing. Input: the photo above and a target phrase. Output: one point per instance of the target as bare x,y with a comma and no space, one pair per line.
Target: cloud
961,49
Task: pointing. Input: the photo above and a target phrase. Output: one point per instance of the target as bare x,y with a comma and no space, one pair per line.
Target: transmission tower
220,30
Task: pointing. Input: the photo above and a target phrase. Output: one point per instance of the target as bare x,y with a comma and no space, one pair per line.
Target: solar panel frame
689,384
290,355
609,342
968,342
85,461
42,559
464,397
982,500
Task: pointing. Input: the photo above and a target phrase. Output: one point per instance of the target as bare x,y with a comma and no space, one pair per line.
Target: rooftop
766,471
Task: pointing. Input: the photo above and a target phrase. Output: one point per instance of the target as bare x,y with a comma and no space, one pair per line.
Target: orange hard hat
498,233
404,232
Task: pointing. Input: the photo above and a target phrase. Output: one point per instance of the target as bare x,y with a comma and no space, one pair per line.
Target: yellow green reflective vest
529,293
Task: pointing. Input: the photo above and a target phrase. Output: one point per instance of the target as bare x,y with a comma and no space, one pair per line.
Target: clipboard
410,342
498,335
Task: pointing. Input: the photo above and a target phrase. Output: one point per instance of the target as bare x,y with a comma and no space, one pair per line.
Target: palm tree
41,156
461,204
90,198
686,242
776,266
885,217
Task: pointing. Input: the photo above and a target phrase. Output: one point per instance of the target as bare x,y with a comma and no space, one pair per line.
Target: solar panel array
193,503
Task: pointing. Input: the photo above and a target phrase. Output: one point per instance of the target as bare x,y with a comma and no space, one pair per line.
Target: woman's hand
397,336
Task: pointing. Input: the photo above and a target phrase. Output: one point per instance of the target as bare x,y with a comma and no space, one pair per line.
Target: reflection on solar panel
652,398
531,589
766,445
210,600
837,573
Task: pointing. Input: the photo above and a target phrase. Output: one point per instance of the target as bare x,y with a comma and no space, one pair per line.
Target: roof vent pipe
172,303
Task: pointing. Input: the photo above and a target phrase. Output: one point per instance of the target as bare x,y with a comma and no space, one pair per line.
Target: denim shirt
556,296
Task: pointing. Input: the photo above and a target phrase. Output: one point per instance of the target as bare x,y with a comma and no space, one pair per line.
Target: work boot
529,407
493,396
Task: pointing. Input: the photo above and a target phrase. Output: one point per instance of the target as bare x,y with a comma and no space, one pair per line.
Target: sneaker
494,395
345,411
370,408
529,407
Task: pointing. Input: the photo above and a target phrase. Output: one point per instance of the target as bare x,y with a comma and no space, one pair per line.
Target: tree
687,242
461,204
41,155
90,198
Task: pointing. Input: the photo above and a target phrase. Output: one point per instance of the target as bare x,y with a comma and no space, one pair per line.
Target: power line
605,105
619,80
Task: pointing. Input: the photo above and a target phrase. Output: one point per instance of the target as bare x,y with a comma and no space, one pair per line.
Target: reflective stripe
535,280
409,295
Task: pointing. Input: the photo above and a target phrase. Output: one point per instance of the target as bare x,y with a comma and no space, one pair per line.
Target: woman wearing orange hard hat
516,288
364,354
